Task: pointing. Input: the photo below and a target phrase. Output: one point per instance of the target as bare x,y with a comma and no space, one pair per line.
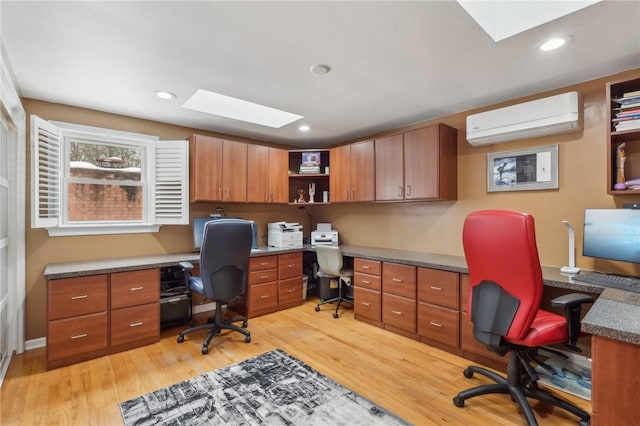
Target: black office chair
330,264
224,266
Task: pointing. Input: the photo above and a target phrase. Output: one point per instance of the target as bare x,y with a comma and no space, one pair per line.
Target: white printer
324,235
284,234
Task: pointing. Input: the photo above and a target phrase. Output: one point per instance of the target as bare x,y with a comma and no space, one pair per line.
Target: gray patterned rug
271,389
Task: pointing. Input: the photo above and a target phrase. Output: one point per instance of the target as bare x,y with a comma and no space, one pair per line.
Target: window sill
67,231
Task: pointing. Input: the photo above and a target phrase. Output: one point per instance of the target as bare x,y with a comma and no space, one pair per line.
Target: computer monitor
198,231
612,234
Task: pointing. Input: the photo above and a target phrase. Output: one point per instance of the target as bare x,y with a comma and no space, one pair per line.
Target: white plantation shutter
46,163
171,192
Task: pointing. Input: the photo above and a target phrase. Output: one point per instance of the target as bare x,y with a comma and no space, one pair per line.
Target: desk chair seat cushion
546,329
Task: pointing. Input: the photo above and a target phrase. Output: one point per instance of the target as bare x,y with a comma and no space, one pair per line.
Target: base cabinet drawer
367,303
70,297
263,297
290,292
134,288
135,323
76,336
399,312
439,324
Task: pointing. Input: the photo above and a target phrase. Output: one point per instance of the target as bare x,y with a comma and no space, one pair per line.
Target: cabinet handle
435,324
174,300
366,267
346,194
397,312
398,280
264,296
266,196
290,290
136,324
136,288
408,190
291,266
433,287
353,194
226,193
79,336
366,282
264,277
400,191
264,263
272,196
366,303
219,193
84,296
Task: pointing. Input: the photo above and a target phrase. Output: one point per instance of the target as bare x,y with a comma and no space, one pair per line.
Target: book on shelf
626,100
309,169
626,117
631,94
626,112
627,125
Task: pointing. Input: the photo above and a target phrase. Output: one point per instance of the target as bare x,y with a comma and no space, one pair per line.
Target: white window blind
172,182
45,173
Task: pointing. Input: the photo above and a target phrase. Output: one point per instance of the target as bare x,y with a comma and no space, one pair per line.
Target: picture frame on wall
523,170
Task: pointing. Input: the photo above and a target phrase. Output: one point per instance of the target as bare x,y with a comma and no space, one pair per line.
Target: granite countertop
615,314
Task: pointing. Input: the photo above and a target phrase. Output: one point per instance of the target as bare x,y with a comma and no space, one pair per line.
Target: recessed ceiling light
237,109
304,128
320,69
163,94
553,43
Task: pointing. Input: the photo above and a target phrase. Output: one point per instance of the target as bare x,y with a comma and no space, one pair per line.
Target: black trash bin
327,287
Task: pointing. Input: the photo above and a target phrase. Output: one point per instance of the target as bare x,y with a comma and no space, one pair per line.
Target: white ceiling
393,63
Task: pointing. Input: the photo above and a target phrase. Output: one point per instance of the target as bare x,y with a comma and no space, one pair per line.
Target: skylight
237,109
503,19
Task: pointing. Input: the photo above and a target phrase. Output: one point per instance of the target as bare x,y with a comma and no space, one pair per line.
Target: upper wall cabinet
217,169
267,178
417,165
623,136
352,172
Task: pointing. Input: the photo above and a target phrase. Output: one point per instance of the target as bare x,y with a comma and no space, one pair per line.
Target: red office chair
504,301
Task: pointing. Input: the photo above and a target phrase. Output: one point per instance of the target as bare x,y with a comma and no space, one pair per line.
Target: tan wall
430,227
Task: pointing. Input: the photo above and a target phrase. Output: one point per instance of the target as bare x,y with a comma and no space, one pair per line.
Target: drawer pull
264,296
436,288
290,290
136,288
79,336
397,312
84,296
366,303
435,324
366,282
264,263
291,266
398,280
136,324
174,300
366,267
264,277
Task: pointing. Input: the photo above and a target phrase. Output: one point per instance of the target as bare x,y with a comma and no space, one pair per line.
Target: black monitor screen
198,230
612,234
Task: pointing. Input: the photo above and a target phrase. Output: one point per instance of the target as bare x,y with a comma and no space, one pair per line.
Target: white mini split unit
542,117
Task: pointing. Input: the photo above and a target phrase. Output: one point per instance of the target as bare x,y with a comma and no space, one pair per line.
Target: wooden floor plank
411,379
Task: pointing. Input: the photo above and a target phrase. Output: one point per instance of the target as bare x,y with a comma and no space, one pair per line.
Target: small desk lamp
571,269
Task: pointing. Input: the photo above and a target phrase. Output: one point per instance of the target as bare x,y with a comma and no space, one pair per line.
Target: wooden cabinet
275,282
95,315
267,178
619,99
614,376
417,165
217,169
438,308
399,298
299,182
352,172
471,348
367,283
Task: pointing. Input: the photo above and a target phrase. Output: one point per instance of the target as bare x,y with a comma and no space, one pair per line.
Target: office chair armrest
572,304
186,266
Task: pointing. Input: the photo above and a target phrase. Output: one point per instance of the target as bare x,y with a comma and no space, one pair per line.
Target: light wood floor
411,379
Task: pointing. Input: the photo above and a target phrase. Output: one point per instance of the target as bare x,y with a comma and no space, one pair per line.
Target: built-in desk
613,320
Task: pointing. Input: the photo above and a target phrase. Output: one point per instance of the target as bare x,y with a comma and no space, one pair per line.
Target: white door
4,244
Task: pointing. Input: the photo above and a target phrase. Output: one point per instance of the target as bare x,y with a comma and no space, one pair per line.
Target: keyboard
609,280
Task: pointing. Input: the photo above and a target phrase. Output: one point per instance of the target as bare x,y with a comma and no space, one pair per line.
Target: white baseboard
40,342
206,307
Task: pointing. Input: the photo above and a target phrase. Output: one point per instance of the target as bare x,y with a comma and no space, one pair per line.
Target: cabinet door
362,170
278,176
234,179
421,167
205,168
389,168
339,179
257,174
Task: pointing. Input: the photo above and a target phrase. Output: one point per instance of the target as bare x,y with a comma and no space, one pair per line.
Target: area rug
274,388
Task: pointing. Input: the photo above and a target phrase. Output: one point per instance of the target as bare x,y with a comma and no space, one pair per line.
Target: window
88,180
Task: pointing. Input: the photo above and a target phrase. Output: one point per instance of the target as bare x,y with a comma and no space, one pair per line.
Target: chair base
339,299
215,326
520,386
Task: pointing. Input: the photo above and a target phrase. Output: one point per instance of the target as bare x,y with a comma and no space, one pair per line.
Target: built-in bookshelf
308,168
623,136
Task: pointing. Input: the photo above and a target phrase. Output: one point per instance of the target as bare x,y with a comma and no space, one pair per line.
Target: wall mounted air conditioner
542,117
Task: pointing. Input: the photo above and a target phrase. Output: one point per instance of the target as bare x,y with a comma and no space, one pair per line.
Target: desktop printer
284,234
324,235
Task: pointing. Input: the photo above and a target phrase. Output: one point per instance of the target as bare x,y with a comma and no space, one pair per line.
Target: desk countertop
615,314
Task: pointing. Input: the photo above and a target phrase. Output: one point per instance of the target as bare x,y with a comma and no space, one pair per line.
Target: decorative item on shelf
633,184
301,196
312,192
620,159
310,163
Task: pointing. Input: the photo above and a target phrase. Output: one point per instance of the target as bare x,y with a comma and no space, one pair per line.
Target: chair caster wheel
467,373
317,308
335,315
244,324
180,338
205,350
247,339
584,422
458,402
